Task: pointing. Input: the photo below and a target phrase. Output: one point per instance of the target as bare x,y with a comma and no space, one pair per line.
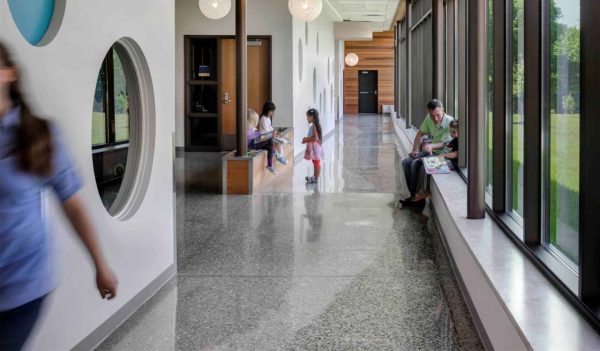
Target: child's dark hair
315,115
268,107
454,124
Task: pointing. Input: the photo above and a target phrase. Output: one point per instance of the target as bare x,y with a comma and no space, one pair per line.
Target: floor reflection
309,266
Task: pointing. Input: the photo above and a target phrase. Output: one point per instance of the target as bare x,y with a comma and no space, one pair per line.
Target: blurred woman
32,158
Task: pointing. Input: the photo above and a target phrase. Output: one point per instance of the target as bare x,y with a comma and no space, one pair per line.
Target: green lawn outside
564,171
99,128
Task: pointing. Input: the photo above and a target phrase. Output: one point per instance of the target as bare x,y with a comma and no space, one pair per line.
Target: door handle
364,92
226,98
375,92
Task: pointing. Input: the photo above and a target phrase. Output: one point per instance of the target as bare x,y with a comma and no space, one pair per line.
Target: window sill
513,304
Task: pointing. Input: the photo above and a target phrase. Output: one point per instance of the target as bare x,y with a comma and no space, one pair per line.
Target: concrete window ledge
514,306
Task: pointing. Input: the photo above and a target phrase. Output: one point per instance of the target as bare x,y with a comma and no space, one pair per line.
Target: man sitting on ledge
259,141
436,124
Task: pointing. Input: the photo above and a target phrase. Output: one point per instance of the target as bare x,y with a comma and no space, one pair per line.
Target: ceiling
379,12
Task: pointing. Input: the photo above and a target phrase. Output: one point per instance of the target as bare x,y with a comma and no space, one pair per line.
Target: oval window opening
121,148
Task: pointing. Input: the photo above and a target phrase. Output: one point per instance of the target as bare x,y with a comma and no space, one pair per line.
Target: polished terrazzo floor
333,266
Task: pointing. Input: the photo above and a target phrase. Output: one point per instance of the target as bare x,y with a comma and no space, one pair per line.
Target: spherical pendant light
305,10
351,59
215,9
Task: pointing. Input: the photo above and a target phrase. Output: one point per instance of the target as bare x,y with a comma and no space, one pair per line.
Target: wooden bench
243,175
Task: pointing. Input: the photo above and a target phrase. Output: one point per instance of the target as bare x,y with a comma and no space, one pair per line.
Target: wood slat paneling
374,55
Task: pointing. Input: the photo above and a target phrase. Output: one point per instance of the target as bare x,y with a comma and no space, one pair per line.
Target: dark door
367,92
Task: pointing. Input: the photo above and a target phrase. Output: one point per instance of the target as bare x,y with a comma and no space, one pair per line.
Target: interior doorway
367,92
210,86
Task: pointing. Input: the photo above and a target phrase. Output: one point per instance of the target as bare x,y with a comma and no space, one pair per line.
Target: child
313,151
451,157
266,126
257,142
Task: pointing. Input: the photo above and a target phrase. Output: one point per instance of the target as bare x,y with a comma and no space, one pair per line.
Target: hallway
308,267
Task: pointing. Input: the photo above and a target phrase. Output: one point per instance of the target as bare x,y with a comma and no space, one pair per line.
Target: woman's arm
105,279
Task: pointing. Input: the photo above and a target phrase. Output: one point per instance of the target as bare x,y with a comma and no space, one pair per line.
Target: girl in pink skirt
314,151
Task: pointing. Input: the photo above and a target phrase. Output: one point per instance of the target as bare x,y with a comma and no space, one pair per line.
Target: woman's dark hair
454,124
315,115
268,107
34,140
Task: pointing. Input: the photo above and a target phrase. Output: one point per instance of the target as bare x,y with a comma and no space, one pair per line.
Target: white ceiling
379,12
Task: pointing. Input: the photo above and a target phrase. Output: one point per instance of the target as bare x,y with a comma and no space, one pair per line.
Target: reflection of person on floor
257,142
436,124
422,191
313,214
33,158
266,126
314,151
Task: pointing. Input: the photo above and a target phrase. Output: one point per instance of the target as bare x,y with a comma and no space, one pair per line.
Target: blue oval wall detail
32,17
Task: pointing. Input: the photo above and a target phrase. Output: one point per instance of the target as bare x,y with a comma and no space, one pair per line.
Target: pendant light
305,10
351,59
215,9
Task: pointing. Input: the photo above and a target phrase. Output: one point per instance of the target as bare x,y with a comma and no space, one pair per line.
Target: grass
564,173
99,135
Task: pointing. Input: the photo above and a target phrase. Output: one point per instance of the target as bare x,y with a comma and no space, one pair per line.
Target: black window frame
108,97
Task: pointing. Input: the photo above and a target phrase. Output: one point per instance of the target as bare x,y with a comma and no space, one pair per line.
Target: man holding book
436,124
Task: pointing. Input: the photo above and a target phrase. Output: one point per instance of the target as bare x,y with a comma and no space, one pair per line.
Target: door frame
186,96
376,89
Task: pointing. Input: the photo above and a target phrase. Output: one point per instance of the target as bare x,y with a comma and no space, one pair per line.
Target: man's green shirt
439,133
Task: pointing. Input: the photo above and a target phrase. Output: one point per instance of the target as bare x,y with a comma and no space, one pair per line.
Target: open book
282,140
435,165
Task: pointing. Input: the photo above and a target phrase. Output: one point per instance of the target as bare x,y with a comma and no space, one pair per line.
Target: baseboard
111,324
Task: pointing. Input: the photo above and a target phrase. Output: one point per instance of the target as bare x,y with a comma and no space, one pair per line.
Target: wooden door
259,83
258,73
227,93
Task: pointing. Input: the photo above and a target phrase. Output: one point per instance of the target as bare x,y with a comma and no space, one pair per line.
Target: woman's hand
106,283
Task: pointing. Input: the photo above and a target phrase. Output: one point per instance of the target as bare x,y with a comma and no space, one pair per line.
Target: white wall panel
264,17
303,89
60,80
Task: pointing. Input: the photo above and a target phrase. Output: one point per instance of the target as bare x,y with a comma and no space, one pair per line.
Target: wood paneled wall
375,55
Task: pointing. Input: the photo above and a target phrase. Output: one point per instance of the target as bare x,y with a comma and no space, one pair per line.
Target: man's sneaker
312,180
272,169
307,178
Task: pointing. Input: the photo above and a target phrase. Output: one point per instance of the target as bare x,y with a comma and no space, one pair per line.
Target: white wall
264,17
311,60
60,80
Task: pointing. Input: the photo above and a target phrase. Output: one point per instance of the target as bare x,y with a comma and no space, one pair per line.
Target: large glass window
490,94
516,114
562,215
110,128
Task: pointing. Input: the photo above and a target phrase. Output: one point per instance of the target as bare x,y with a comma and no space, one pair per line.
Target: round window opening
315,85
123,125
300,59
38,21
306,33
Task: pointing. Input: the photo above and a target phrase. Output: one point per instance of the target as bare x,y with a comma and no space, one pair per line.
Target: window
562,160
516,113
490,95
110,128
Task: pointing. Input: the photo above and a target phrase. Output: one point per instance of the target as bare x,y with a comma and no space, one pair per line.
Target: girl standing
32,158
314,151
266,126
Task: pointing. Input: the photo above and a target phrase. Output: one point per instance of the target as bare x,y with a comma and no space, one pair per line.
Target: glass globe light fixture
305,10
351,59
215,9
